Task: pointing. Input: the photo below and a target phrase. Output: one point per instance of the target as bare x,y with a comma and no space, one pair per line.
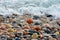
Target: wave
31,6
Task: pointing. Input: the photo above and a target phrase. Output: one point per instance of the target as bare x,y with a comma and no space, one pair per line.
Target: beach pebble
30,27
52,39
10,30
10,35
37,23
26,27
41,36
36,17
9,38
32,32
54,36
37,28
30,20
34,39
7,25
35,35
48,15
56,33
47,31
17,38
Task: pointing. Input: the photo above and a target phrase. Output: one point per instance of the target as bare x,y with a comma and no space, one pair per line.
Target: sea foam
8,7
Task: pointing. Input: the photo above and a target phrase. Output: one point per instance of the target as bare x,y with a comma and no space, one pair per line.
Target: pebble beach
29,19
29,27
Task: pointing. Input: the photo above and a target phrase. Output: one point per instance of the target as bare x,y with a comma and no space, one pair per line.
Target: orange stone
29,21
37,28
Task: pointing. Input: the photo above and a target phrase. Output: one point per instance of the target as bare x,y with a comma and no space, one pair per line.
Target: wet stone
24,27
35,36
17,38
9,39
46,37
49,15
47,31
54,36
58,36
36,17
37,23
58,23
32,31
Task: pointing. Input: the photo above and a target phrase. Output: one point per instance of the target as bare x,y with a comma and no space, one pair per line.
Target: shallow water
31,6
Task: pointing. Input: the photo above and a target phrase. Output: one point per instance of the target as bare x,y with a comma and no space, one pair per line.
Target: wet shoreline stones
25,27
